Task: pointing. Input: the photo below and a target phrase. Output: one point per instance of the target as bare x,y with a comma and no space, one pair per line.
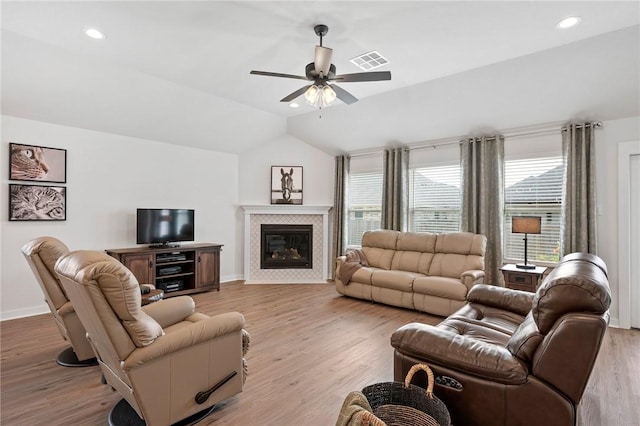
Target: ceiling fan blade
295,94
343,95
363,76
322,60
276,74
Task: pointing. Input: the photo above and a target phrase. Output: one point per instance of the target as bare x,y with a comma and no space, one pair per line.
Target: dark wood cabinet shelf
522,279
175,270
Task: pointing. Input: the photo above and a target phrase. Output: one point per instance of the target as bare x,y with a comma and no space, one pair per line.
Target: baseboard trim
24,312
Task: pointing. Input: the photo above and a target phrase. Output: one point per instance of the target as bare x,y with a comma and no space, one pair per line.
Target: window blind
434,199
364,206
533,187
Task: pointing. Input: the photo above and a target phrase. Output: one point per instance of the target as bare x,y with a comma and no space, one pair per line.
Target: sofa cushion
414,252
477,332
496,318
397,280
449,288
458,252
412,261
417,241
379,246
362,275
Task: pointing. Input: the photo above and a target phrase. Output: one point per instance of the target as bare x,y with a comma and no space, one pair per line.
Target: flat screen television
164,227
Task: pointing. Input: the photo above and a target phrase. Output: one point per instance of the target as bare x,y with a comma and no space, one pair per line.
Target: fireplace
286,246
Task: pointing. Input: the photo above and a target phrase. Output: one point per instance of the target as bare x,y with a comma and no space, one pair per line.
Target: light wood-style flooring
310,347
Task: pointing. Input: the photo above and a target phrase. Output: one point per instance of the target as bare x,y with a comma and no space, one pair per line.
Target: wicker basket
399,404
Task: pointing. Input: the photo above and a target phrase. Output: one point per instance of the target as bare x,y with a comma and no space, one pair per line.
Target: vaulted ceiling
178,71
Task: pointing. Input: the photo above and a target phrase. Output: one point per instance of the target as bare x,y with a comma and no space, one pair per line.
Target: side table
522,279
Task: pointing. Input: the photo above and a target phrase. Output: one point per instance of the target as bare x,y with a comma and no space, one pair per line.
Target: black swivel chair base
68,358
122,414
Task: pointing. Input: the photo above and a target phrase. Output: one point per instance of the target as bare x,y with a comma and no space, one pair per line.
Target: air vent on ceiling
370,60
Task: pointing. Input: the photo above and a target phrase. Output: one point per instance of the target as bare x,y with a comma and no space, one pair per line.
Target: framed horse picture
286,185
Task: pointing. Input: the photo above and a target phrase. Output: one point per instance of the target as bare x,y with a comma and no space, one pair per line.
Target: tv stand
164,245
176,270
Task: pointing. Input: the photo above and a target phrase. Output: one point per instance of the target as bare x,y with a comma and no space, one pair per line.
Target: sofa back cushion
457,252
575,285
116,297
414,252
42,254
379,246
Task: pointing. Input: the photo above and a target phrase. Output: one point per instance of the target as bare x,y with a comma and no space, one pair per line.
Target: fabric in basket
356,411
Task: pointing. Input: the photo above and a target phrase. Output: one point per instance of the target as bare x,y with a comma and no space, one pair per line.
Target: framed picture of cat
37,202
37,163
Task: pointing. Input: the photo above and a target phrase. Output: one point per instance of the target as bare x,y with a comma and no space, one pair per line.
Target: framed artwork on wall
286,185
37,163
37,203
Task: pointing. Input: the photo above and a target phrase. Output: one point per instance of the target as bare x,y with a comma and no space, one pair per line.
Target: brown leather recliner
167,361
42,254
515,358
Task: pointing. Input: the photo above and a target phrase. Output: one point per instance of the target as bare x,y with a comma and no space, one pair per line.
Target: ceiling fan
320,72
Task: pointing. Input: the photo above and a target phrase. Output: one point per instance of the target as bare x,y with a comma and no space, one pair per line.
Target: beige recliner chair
42,254
168,362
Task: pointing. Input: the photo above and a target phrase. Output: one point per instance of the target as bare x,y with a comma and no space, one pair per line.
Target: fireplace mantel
320,213
285,209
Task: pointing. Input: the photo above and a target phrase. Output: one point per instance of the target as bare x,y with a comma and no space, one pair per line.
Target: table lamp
526,225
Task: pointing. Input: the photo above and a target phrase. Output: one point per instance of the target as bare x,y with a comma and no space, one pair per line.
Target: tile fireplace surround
254,216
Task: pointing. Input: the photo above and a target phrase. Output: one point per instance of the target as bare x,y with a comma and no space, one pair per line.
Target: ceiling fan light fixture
320,95
312,95
328,95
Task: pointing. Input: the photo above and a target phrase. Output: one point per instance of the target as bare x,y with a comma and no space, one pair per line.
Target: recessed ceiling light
93,33
569,22
294,105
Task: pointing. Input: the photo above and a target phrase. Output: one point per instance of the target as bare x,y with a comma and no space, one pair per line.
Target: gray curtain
579,189
395,189
339,208
482,165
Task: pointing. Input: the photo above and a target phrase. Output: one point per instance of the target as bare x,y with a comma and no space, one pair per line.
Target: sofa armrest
198,332
149,286
170,311
508,299
451,350
472,277
66,309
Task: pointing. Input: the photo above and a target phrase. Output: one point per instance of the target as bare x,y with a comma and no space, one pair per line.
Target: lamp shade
526,225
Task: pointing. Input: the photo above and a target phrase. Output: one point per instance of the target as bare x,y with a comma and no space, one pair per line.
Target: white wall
108,177
608,138
318,170
255,171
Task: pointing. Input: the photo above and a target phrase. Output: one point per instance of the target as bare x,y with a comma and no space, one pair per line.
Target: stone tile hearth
317,216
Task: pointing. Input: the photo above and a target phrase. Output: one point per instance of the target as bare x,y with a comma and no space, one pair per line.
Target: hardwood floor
310,347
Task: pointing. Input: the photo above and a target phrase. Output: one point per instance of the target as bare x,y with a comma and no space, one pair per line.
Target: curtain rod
512,133
516,132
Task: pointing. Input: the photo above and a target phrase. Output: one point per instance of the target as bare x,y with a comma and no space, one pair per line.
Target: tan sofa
429,272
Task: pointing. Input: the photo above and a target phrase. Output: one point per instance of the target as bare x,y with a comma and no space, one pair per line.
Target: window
364,205
533,187
434,199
